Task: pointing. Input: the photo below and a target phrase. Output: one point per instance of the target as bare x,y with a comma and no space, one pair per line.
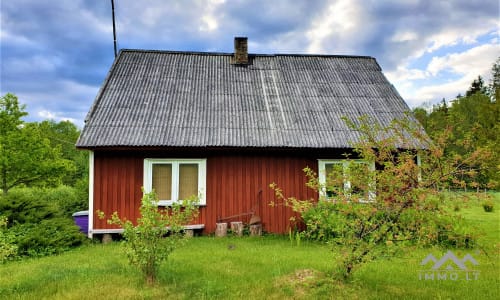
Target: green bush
455,232
7,249
48,237
31,205
67,199
27,205
488,205
157,233
39,220
324,220
321,222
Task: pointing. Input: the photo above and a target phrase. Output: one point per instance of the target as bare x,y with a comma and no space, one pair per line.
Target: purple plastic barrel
82,220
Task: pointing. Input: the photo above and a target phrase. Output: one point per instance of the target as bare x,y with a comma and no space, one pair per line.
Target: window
175,179
353,178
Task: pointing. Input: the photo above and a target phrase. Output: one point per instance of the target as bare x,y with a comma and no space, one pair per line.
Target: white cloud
453,36
19,40
404,36
92,21
56,116
65,100
45,114
41,62
339,23
473,62
209,23
434,93
209,19
465,66
402,72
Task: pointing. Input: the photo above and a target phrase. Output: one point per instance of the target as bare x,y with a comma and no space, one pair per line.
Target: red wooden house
224,126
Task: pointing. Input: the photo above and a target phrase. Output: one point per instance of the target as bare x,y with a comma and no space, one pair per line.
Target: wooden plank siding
236,184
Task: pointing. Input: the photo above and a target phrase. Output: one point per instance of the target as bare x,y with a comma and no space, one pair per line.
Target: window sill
165,203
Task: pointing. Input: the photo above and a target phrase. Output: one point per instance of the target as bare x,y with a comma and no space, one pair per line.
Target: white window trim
91,195
202,177
419,165
347,184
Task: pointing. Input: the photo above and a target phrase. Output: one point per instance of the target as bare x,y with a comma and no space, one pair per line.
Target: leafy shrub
31,205
7,249
82,192
39,220
157,234
67,199
405,184
324,222
27,205
321,222
50,236
488,205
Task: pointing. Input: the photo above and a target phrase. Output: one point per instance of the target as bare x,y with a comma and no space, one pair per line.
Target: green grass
255,268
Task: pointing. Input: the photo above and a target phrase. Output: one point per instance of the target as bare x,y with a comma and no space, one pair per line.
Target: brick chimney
240,51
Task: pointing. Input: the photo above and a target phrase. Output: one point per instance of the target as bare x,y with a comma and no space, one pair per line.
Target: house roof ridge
222,53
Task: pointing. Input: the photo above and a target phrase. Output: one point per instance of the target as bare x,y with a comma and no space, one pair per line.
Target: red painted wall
236,184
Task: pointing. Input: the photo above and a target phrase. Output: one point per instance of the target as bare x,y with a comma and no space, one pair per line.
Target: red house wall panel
237,187
117,187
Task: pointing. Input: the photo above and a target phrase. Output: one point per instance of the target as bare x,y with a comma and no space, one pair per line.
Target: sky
55,54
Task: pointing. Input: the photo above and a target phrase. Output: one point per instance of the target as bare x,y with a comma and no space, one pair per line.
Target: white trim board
91,194
120,230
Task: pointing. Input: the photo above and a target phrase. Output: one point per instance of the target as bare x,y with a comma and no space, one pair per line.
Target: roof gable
193,99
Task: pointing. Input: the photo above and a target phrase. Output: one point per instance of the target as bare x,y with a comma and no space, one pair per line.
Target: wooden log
220,229
256,230
237,228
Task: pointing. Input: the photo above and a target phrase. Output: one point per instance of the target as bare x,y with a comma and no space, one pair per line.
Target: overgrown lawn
270,267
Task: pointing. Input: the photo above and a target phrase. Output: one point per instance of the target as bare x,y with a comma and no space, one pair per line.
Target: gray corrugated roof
179,99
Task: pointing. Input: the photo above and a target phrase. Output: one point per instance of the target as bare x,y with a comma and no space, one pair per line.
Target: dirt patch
301,283
305,275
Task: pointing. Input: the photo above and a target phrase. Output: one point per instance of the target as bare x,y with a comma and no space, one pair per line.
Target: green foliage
471,124
40,220
11,113
432,225
63,135
488,205
22,206
32,205
157,234
7,248
392,206
26,155
321,222
48,237
67,199
494,86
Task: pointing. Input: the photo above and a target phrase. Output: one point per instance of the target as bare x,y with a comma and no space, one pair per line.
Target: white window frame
347,184
202,178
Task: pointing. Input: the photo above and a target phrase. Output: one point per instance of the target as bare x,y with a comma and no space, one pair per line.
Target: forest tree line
472,122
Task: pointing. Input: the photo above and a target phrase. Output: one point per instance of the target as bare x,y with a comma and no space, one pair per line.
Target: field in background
270,267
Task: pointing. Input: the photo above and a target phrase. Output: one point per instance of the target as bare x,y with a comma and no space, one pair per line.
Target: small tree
157,234
390,206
